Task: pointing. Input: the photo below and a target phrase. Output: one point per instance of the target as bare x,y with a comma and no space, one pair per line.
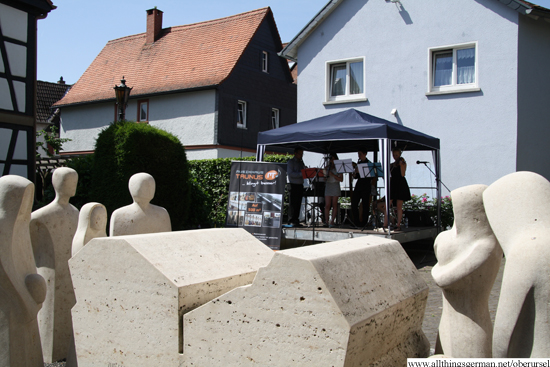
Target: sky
72,35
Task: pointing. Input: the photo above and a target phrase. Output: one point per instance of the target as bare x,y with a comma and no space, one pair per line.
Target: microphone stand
426,165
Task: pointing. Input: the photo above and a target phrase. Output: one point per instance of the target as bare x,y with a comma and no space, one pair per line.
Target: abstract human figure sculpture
141,216
469,258
92,223
52,230
518,208
22,290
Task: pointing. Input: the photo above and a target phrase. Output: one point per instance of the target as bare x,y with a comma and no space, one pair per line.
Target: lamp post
122,92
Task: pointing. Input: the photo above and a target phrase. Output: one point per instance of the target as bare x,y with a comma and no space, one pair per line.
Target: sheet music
370,170
343,165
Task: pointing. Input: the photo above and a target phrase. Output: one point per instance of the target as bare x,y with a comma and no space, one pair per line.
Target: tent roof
346,131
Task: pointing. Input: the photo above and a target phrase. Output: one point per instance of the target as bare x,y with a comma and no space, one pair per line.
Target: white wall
477,130
197,154
189,116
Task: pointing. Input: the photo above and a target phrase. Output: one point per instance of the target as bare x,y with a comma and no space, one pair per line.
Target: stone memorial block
518,209
347,303
52,230
132,291
92,223
22,290
141,216
469,259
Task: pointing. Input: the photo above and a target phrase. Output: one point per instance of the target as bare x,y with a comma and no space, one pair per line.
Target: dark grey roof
46,95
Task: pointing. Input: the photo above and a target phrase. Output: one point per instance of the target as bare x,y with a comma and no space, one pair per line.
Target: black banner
256,198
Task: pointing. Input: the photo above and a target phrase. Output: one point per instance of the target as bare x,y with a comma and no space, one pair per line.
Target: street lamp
122,92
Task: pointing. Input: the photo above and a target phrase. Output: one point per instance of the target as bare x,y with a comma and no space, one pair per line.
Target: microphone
422,162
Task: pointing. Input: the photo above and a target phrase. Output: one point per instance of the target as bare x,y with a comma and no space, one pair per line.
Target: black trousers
361,193
296,194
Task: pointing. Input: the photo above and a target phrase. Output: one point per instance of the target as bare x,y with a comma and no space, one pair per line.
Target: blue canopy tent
350,131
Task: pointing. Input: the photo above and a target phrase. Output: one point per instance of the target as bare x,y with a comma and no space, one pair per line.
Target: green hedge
125,148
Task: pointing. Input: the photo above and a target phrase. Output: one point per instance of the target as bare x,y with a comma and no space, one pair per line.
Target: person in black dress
399,188
362,192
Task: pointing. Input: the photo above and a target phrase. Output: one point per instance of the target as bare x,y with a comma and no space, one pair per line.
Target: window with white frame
241,114
265,59
274,118
143,111
453,69
345,80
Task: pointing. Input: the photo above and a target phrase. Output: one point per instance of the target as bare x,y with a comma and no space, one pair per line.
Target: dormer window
265,58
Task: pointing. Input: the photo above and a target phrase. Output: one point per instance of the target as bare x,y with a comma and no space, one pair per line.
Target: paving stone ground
422,255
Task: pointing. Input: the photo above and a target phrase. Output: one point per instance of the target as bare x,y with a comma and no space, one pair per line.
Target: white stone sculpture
518,209
22,290
141,216
357,302
132,291
92,223
52,230
469,258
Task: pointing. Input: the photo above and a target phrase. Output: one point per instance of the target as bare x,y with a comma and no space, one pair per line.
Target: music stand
313,174
345,166
372,170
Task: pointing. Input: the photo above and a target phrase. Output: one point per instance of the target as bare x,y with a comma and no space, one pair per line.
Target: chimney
61,81
154,25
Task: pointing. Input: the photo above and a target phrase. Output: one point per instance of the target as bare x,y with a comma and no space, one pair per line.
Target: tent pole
260,151
385,146
438,188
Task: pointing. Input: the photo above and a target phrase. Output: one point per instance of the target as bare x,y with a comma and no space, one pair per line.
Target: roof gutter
526,8
290,51
136,96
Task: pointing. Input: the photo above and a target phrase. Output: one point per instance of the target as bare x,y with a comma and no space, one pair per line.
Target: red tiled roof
189,56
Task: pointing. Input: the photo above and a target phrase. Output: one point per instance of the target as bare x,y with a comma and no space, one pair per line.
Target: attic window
265,57
143,111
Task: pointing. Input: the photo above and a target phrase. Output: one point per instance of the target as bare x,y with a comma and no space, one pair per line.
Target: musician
332,190
362,192
294,171
399,188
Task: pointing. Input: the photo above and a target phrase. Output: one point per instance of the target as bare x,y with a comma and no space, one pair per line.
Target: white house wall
477,129
189,116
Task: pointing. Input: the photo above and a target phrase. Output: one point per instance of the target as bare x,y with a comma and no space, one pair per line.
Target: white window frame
241,114
454,87
265,61
347,97
275,113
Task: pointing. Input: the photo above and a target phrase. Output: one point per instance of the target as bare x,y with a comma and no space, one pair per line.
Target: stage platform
300,236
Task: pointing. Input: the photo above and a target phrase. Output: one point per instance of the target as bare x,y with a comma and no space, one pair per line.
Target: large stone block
357,302
132,291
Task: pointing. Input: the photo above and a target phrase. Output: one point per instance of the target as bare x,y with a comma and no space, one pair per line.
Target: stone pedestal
132,291
346,303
